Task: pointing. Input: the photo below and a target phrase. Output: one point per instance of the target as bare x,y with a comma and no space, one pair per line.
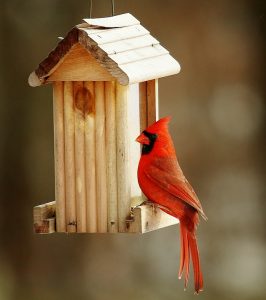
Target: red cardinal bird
163,182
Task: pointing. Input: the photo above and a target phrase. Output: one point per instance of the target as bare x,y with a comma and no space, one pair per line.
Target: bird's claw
147,202
152,204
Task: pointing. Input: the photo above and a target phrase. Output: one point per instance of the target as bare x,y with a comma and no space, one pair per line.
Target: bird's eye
154,136
151,136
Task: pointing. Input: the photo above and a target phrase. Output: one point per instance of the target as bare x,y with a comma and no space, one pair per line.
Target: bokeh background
217,103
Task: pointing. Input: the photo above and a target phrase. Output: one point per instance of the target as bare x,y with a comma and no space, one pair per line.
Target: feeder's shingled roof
120,44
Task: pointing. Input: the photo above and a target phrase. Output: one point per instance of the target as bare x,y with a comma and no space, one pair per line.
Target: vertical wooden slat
69,124
80,97
152,101
143,105
134,120
123,171
100,157
111,156
58,107
90,159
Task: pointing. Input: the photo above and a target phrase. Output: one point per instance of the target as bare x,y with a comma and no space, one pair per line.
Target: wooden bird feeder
105,92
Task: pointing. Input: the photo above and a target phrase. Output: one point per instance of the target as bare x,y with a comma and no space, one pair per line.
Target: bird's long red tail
189,247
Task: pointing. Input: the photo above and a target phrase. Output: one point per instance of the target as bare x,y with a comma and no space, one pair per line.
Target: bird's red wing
167,173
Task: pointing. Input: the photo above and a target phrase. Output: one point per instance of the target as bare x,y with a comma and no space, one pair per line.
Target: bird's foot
152,204
149,203
145,202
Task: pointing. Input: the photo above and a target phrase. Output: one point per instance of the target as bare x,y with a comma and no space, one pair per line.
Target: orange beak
142,139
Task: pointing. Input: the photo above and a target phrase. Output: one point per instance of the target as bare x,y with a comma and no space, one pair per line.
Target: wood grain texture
116,34
122,150
152,101
71,217
130,44
139,54
150,68
79,65
59,155
80,99
101,189
133,132
90,159
54,59
110,102
143,110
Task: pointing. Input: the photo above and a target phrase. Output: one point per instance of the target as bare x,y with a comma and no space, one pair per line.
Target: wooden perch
44,218
147,218
144,218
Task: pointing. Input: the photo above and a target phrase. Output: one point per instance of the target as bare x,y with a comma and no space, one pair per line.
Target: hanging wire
113,7
90,8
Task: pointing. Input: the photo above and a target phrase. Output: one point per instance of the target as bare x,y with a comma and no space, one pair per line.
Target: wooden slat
44,218
129,44
100,157
145,218
143,105
90,30
133,132
148,69
80,98
117,34
152,101
143,110
59,155
114,21
71,219
90,159
110,95
123,171
138,54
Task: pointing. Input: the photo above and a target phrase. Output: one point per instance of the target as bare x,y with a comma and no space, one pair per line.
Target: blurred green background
217,103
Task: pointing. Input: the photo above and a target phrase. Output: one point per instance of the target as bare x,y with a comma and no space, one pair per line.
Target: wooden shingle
124,50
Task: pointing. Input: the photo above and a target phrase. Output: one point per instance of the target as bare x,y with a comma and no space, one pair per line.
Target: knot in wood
84,101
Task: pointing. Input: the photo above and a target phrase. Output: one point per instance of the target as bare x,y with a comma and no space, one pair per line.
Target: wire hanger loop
112,7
